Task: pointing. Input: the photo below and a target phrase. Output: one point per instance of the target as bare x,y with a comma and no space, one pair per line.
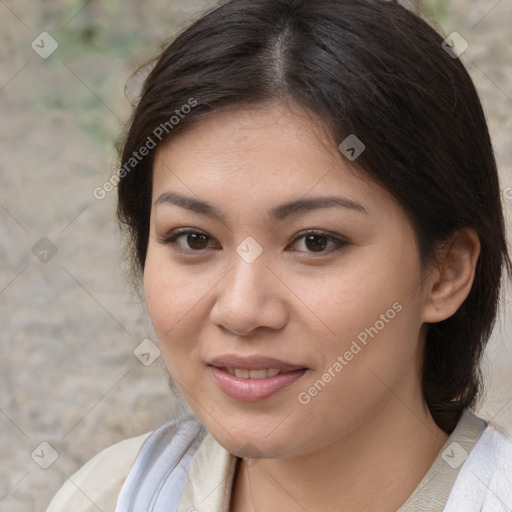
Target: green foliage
437,9
98,46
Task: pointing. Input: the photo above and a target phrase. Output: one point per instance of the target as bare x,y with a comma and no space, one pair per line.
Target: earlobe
454,275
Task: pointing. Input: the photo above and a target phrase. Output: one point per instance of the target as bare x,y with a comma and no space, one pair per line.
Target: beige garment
96,485
208,488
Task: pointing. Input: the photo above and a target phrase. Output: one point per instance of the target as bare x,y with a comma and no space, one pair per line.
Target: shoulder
485,480
96,485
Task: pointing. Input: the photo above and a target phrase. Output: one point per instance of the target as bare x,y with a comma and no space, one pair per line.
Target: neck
374,468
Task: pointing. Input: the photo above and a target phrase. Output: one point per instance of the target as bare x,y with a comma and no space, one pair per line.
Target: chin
253,441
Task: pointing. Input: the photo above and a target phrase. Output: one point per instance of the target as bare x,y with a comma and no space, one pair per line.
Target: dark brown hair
365,67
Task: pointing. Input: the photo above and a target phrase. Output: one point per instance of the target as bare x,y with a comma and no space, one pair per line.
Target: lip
253,390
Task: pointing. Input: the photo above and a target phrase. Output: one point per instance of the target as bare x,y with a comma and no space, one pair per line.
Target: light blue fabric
156,480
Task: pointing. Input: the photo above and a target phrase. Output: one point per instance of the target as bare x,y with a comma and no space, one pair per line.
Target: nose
250,296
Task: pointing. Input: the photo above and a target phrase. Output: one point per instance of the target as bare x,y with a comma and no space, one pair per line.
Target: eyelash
172,238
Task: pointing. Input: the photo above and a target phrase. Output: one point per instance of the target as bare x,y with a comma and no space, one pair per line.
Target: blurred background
77,369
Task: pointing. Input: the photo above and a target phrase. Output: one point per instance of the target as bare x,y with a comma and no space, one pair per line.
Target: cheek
371,360
175,303
370,316
364,293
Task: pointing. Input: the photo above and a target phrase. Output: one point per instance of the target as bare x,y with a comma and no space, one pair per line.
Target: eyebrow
277,213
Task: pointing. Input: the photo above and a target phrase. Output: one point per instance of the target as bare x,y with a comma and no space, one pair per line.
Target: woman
313,205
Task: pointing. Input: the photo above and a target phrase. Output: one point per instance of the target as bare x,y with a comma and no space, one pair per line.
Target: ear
450,281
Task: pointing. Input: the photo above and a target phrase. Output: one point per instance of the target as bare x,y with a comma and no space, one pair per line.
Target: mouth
253,379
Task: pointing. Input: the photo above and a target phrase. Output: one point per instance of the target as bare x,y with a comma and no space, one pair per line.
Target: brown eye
187,240
197,241
317,242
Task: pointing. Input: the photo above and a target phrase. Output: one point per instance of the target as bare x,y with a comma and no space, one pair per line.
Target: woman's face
252,292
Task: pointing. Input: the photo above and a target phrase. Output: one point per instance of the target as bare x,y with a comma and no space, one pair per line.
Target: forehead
261,135
268,154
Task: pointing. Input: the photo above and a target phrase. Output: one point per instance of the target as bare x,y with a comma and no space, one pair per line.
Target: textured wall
68,373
